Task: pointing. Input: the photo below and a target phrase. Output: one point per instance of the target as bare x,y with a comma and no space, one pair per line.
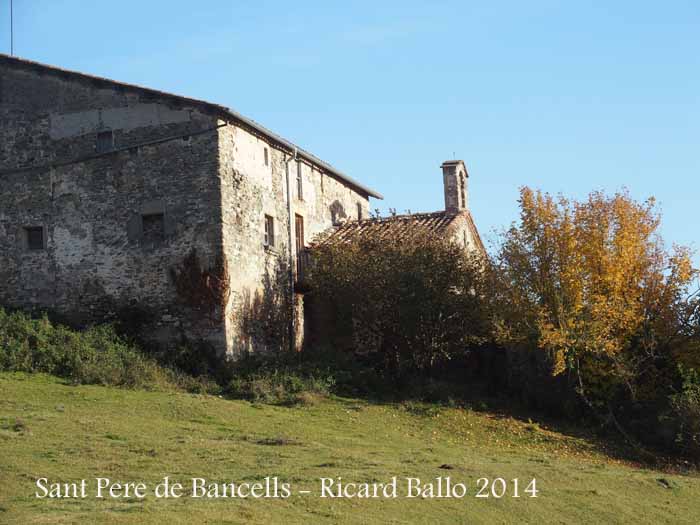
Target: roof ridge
216,107
98,78
434,222
401,216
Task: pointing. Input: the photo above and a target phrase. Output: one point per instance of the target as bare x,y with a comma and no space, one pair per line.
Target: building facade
116,198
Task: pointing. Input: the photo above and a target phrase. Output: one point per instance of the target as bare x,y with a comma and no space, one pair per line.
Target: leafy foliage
206,289
586,278
414,299
281,378
93,356
592,288
685,412
280,386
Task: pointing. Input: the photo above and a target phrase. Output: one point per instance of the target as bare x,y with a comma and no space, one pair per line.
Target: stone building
121,201
108,189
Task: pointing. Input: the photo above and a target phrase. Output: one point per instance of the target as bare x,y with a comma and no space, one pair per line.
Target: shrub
193,358
413,300
96,355
685,413
279,386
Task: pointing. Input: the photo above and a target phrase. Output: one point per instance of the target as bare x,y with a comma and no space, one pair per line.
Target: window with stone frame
269,239
34,238
153,227
300,183
105,141
267,157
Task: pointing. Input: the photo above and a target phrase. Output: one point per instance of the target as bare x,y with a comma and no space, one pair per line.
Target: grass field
67,433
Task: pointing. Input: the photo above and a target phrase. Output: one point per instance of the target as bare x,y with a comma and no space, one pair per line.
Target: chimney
454,177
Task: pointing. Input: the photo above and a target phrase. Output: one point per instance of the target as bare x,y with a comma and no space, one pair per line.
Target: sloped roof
215,108
399,226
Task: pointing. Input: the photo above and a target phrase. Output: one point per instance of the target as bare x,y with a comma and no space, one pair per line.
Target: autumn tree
591,285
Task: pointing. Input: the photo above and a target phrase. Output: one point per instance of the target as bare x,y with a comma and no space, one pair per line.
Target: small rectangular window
35,238
153,227
267,157
269,231
299,229
300,183
300,243
359,211
105,141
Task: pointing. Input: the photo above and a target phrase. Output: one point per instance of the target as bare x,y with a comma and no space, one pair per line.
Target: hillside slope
67,433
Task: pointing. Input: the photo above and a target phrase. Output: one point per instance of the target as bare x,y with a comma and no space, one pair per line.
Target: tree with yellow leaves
591,285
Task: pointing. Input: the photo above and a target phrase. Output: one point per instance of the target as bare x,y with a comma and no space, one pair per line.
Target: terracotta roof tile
398,226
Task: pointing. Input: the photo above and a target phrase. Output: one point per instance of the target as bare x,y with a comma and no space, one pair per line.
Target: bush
414,300
193,358
685,413
96,355
281,387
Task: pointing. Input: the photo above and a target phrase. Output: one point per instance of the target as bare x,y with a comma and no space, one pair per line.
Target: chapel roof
398,226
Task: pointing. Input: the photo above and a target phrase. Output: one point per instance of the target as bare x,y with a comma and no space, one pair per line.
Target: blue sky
563,96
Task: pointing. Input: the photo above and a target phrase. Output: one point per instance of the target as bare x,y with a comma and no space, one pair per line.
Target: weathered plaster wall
251,190
96,259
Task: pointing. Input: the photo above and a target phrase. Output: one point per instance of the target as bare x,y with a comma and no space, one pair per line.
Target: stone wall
97,259
463,233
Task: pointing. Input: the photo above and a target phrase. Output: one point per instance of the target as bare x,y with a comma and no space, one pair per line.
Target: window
337,212
359,211
462,192
269,231
105,141
300,184
300,246
35,238
267,157
153,226
299,228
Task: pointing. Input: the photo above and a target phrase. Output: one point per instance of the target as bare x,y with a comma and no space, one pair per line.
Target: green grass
66,433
